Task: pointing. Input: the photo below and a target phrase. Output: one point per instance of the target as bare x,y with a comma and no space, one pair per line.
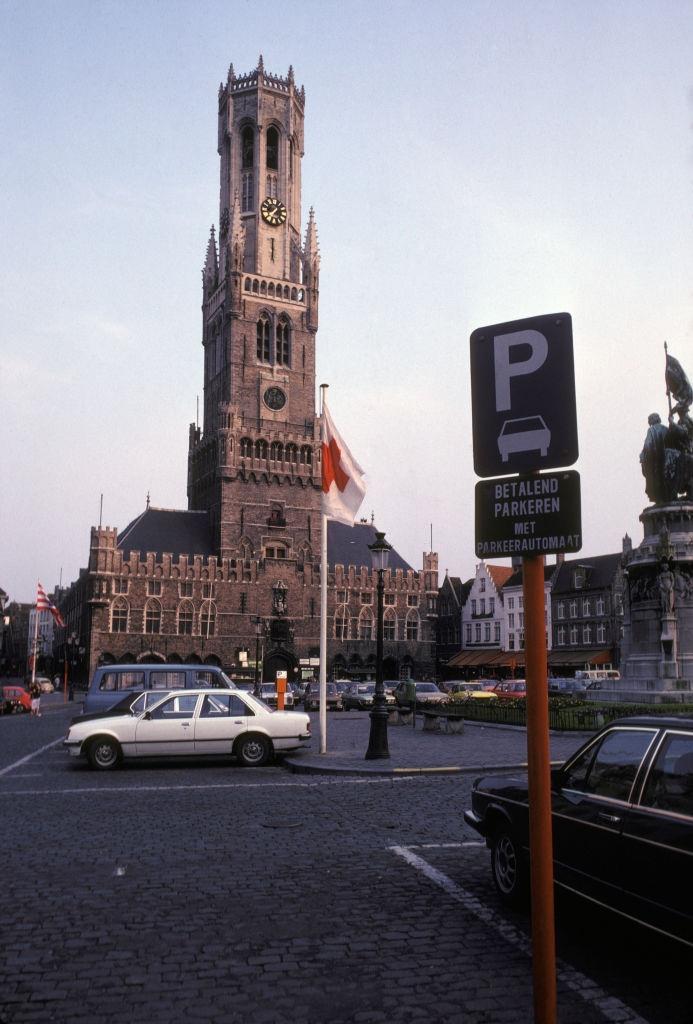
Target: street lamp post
258,634
377,740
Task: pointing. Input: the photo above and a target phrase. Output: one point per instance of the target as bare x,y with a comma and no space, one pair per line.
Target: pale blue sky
469,163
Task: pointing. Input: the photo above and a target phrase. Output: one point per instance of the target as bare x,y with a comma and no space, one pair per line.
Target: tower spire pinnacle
210,274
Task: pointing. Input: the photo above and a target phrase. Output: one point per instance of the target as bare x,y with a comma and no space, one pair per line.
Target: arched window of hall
272,152
389,624
152,617
341,623
261,449
412,625
366,624
119,616
186,615
208,619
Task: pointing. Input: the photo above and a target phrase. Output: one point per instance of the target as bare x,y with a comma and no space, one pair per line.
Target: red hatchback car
511,688
14,698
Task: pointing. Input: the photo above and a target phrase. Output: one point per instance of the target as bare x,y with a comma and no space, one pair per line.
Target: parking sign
523,396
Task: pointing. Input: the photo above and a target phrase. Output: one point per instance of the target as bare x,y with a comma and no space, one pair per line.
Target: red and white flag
44,604
343,484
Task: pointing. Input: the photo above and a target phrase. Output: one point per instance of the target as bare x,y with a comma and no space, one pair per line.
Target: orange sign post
281,689
539,770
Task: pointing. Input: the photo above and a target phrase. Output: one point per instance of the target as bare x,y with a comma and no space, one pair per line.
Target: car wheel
104,753
510,874
253,751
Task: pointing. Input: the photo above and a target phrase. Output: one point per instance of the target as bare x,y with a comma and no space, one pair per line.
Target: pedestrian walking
35,694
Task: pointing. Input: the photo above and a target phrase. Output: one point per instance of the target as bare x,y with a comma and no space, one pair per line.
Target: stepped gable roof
500,574
348,545
177,532
599,573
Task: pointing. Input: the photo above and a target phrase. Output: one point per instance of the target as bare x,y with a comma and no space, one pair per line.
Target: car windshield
427,687
365,688
145,701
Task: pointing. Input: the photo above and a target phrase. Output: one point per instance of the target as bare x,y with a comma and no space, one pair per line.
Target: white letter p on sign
505,370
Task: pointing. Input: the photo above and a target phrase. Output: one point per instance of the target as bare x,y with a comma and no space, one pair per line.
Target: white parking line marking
23,760
211,786
587,989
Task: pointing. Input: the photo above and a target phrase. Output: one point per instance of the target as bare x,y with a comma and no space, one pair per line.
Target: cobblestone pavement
211,893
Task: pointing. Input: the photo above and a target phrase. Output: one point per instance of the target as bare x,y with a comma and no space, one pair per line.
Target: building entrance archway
278,661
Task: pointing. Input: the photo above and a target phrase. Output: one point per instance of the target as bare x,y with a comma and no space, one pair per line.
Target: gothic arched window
246,448
263,339
261,449
185,618
412,625
389,625
248,147
152,617
341,624
283,343
208,619
119,616
272,149
277,451
291,453
366,624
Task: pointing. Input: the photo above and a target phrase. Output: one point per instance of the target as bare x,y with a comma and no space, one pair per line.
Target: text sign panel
523,396
526,516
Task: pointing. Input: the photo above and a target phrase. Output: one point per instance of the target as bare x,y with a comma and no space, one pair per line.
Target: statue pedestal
657,644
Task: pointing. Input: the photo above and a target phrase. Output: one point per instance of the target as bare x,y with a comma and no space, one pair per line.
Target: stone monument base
657,645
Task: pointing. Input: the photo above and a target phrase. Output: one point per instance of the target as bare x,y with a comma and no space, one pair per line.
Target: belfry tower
254,462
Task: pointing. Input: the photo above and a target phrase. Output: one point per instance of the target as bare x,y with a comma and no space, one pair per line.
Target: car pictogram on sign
526,434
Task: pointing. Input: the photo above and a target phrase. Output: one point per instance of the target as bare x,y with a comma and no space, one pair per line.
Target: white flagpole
323,601
35,641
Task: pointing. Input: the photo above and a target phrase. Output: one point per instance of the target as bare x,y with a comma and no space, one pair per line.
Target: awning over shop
490,658
580,657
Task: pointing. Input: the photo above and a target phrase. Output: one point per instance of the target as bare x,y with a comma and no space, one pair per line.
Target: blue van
111,683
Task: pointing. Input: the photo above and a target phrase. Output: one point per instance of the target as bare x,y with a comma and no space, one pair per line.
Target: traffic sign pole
539,770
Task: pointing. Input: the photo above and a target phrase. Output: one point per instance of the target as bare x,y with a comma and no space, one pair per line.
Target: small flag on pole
343,484
44,604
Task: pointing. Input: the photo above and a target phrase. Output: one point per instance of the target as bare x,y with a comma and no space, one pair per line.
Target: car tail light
309,725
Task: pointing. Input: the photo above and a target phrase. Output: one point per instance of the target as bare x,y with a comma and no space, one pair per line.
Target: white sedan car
188,723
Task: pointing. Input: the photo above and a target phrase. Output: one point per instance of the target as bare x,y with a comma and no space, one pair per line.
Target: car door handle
613,819
185,725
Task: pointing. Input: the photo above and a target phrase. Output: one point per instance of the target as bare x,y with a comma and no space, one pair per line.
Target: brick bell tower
254,463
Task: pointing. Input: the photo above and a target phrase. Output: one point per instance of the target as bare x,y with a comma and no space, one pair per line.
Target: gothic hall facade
234,578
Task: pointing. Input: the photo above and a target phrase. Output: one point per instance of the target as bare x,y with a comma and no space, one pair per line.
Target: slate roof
180,532
599,573
175,531
348,545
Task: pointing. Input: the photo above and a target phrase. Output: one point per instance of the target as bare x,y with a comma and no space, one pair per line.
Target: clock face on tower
273,212
274,398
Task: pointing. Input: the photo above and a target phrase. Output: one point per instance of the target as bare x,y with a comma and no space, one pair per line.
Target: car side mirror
147,716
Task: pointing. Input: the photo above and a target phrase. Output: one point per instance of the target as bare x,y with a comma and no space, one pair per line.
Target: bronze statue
666,458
